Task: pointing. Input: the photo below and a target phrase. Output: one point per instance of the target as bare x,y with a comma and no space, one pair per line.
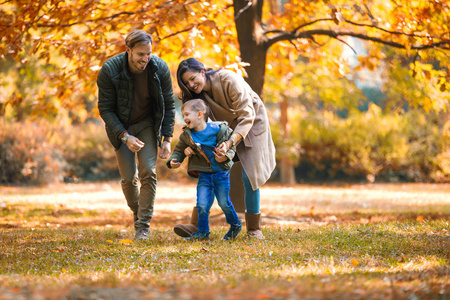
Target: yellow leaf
109,241
64,270
126,241
419,218
355,262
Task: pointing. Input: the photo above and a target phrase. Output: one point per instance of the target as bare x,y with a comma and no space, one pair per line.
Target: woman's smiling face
194,81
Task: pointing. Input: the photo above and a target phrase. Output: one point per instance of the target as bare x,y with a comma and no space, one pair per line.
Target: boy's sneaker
198,236
142,234
233,232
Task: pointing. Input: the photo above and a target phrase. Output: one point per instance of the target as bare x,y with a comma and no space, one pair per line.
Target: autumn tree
415,29
73,39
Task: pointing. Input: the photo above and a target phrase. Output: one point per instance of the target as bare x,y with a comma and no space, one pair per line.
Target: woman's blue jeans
251,197
209,185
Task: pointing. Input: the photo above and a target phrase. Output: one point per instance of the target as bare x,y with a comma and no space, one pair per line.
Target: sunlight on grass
59,244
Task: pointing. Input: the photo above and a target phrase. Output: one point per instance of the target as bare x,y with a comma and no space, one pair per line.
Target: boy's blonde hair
197,105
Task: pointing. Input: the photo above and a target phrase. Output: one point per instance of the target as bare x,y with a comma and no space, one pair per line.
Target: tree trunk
287,172
252,42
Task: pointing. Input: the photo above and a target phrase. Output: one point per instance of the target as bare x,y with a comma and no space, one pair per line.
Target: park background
357,94
355,91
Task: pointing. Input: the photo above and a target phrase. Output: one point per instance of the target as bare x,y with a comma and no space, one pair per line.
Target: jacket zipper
200,151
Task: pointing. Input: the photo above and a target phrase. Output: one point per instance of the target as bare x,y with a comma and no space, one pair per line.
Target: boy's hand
189,152
219,157
174,164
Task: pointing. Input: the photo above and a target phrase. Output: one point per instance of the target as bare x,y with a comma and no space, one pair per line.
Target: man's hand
189,152
174,164
165,150
134,144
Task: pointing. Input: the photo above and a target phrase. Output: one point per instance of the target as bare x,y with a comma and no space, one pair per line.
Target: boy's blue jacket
200,162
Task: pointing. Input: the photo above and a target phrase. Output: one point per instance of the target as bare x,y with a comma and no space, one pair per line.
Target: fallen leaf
419,218
126,241
355,262
311,212
109,241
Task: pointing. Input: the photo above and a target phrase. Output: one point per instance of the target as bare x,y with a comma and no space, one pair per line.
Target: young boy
213,176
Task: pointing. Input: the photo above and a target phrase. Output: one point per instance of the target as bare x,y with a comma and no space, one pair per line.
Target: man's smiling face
138,57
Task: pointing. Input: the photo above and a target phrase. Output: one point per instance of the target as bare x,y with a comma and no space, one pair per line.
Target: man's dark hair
138,37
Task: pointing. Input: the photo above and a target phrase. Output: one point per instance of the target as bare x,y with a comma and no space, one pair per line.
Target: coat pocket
252,136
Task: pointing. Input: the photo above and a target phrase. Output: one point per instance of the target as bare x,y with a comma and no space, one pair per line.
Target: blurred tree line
355,90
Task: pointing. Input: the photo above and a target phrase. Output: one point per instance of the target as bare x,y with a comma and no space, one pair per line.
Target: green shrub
369,145
409,147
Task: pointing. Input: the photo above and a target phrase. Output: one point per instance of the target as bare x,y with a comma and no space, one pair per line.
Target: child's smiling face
193,119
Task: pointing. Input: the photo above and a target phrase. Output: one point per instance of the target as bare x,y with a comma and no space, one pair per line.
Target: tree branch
286,36
108,17
295,30
90,20
178,32
299,27
385,30
249,4
344,42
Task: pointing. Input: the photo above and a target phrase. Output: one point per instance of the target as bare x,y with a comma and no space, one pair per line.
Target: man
137,104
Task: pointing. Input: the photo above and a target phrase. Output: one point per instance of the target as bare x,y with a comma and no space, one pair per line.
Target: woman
231,99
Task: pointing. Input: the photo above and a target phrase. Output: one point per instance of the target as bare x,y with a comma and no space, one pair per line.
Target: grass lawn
380,241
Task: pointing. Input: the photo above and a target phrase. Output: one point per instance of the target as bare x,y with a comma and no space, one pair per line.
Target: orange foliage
76,37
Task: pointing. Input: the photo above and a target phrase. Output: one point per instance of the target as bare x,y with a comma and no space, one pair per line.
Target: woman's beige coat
231,99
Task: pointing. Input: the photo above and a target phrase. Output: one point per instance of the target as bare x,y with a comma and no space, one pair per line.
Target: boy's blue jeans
210,185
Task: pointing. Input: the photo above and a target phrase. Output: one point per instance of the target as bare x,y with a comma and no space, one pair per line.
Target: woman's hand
223,148
219,152
189,152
